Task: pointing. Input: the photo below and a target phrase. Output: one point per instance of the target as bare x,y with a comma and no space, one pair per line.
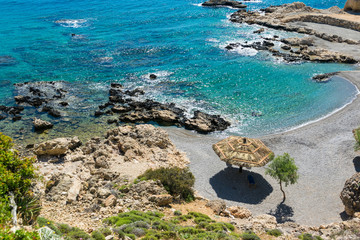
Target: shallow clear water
182,42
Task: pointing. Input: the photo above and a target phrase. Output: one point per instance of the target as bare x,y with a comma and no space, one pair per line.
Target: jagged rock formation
301,52
229,3
350,195
129,109
352,5
280,17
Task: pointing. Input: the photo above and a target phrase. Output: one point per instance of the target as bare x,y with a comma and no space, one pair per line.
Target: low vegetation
274,232
177,181
356,133
152,225
308,236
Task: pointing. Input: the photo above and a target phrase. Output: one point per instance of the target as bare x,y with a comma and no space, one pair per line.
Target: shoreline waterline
335,111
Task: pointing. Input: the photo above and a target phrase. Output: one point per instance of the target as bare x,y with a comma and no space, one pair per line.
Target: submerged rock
41,124
152,76
7,61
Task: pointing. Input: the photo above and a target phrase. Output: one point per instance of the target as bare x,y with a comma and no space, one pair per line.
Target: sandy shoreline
323,151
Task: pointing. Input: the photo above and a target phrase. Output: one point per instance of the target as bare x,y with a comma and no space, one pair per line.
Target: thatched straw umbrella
243,152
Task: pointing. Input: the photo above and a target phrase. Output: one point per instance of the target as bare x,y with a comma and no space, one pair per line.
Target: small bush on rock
308,236
274,232
177,181
249,236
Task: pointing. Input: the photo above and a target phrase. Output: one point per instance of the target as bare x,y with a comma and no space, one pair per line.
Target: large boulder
350,195
218,206
352,5
161,200
239,212
56,147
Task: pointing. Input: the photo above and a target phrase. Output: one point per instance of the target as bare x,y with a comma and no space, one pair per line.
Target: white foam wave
197,4
72,23
246,51
212,40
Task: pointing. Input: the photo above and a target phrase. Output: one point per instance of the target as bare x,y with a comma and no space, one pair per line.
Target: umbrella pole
240,169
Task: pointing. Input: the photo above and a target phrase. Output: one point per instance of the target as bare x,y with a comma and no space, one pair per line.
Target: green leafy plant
356,133
284,170
6,234
177,181
16,175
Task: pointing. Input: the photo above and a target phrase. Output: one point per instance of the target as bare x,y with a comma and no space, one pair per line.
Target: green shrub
6,234
177,213
177,181
249,236
64,228
96,235
77,233
16,175
356,133
132,236
308,236
274,232
105,231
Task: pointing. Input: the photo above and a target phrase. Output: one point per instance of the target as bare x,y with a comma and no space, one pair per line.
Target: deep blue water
183,43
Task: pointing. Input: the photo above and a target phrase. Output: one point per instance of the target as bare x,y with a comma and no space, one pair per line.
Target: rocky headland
321,44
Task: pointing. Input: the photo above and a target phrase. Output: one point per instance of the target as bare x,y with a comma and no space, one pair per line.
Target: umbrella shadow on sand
231,185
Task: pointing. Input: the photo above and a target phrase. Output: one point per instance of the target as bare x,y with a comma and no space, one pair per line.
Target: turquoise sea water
182,42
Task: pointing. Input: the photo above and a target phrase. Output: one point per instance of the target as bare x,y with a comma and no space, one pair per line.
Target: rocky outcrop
40,125
11,112
350,195
49,97
352,5
280,17
324,77
142,145
57,147
129,109
302,53
221,3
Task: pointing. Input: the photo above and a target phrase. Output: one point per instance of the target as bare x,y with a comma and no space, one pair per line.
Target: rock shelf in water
57,100
134,111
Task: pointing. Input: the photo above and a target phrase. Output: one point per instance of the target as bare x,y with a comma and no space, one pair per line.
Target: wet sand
323,151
